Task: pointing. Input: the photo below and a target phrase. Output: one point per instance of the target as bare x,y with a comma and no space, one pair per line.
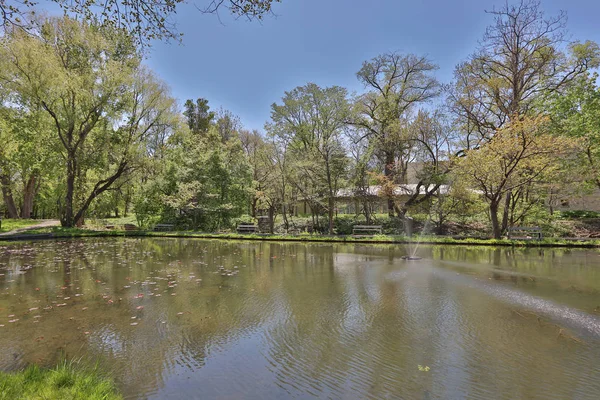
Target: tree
101,103
433,141
9,146
522,58
314,118
207,182
261,157
396,84
146,20
26,158
575,112
521,153
228,124
198,116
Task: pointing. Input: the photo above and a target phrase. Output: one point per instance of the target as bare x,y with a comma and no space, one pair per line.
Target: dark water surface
201,319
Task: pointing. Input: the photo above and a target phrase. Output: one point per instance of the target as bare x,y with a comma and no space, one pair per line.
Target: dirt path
43,224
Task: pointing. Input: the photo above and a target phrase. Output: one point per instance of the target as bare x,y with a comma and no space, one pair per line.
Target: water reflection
306,320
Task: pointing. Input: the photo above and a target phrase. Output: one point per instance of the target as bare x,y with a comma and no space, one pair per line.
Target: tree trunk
286,223
496,228
506,212
67,219
11,208
271,218
388,172
28,196
330,214
253,207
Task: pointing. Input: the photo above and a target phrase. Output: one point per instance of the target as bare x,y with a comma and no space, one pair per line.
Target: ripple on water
298,321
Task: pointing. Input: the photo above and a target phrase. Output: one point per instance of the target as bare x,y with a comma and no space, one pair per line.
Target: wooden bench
247,228
525,232
130,227
163,227
366,230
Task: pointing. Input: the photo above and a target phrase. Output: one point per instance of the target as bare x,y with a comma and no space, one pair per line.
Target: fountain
408,229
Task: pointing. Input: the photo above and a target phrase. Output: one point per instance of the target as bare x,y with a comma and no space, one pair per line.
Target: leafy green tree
101,103
314,119
522,58
198,116
208,182
575,112
521,154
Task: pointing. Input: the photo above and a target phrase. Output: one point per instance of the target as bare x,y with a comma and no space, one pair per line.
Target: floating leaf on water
133,323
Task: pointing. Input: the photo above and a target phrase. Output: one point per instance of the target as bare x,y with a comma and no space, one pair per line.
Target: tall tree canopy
102,104
313,119
523,55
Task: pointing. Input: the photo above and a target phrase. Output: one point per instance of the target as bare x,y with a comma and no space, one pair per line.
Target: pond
184,318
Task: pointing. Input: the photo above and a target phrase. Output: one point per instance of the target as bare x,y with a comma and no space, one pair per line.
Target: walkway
43,224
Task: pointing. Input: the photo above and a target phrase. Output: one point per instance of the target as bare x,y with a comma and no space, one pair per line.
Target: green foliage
310,121
198,116
578,214
12,224
575,113
207,183
66,381
103,106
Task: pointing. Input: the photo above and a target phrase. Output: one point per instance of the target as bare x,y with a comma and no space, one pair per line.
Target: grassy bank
66,381
58,232
12,224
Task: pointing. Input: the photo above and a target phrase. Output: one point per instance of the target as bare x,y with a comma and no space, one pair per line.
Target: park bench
366,230
163,227
525,232
130,227
247,228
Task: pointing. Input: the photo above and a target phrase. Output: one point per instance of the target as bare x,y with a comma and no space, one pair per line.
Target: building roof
400,190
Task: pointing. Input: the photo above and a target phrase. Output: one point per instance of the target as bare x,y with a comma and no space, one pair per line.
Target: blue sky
246,66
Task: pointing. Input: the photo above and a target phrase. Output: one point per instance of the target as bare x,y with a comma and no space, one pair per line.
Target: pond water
183,318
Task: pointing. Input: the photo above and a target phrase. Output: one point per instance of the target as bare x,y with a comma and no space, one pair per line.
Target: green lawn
62,382
12,224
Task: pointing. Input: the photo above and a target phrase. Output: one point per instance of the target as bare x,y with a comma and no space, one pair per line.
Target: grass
95,230
66,381
12,224
59,232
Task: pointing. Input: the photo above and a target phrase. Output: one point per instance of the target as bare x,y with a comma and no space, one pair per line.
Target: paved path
44,223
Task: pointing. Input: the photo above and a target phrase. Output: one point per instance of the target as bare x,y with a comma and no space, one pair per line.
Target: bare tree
523,56
396,83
